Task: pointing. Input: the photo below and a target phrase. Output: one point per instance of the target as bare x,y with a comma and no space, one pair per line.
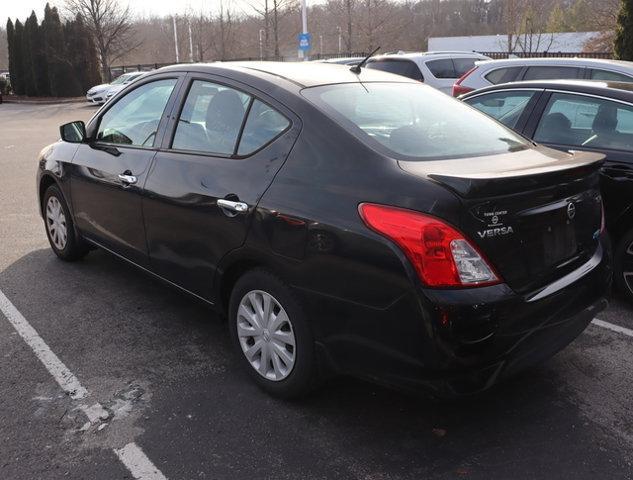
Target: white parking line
130,455
613,327
138,464
53,364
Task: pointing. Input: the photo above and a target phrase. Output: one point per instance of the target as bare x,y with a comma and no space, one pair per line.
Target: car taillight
458,88
440,254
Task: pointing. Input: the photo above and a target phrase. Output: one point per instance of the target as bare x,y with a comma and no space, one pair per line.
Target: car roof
616,90
604,62
302,74
429,55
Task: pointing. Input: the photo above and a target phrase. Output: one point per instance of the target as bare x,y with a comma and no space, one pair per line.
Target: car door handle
237,207
127,179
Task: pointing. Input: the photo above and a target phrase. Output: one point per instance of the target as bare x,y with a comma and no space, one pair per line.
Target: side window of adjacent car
503,75
406,68
546,72
134,119
505,107
582,121
607,75
214,115
442,68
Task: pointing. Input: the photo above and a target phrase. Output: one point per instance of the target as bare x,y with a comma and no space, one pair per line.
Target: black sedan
581,116
346,221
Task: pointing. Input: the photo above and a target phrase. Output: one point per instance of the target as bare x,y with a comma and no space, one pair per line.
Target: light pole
304,26
176,39
321,44
190,44
261,43
340,38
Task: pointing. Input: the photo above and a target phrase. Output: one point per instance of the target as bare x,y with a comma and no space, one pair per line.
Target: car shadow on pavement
114,325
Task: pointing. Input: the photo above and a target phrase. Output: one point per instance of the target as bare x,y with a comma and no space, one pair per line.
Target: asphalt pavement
160,366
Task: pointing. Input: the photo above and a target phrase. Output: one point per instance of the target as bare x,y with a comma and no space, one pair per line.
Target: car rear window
406,68
503,75
462,65
413,121
442,68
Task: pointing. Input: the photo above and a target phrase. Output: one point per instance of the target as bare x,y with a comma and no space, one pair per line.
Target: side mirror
73,132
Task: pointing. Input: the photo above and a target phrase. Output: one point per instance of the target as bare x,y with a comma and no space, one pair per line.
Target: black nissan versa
358,223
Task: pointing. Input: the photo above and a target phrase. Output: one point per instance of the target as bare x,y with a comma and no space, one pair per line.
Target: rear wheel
60,229
623,265
271,334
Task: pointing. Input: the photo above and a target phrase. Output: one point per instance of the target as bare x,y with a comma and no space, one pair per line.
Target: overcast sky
22,8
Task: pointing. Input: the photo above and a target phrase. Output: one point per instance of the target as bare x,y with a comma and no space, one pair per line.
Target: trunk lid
535,214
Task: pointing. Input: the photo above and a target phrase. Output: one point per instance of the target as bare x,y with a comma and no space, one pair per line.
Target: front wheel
60,229
271,334
623,265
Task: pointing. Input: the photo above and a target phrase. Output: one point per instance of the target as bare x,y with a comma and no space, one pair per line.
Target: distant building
544,42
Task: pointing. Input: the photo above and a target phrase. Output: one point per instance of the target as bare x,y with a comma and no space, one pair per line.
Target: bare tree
110,26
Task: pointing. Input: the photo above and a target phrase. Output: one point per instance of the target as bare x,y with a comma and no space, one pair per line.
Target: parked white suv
437,69
493,72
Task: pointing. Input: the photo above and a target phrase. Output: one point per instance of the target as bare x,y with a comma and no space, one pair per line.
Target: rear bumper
456,342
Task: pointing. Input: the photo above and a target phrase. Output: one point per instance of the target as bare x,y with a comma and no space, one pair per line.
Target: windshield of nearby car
413,120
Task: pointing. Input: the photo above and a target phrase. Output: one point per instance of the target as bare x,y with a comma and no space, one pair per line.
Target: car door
108,173
512,107
220,154
573,121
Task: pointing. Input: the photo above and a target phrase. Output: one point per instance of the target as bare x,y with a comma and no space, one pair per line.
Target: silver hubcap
56,223
266,335
628,267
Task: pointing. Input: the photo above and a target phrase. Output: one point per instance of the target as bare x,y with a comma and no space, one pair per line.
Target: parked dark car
363,224
582,116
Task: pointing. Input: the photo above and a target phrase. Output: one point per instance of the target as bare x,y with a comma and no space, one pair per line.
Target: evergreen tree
38,56
81,50
27,56
10,43
623,45
17,76
60,69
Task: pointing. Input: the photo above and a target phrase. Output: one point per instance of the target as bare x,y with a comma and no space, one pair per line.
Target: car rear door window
463,65
134,119
406,68
442,68
211,119
597,74
547,72
582,121
263,125
504,106
503,75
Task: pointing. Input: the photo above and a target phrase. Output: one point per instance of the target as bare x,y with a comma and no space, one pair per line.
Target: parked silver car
494,72
98,94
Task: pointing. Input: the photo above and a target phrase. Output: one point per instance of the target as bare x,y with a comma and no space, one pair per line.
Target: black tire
303,376
623,263
75,248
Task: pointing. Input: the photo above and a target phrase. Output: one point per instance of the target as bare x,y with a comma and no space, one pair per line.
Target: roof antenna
356,68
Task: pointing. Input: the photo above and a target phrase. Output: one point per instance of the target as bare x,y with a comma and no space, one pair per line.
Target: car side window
596,74
546,72
263,125
463,65
503,75
211,119
581,121
134,119
406,68
442,68
506,107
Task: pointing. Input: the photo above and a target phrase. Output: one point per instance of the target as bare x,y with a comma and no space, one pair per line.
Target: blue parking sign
304,41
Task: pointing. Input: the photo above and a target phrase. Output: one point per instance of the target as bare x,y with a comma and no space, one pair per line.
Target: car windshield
123,79
414,121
